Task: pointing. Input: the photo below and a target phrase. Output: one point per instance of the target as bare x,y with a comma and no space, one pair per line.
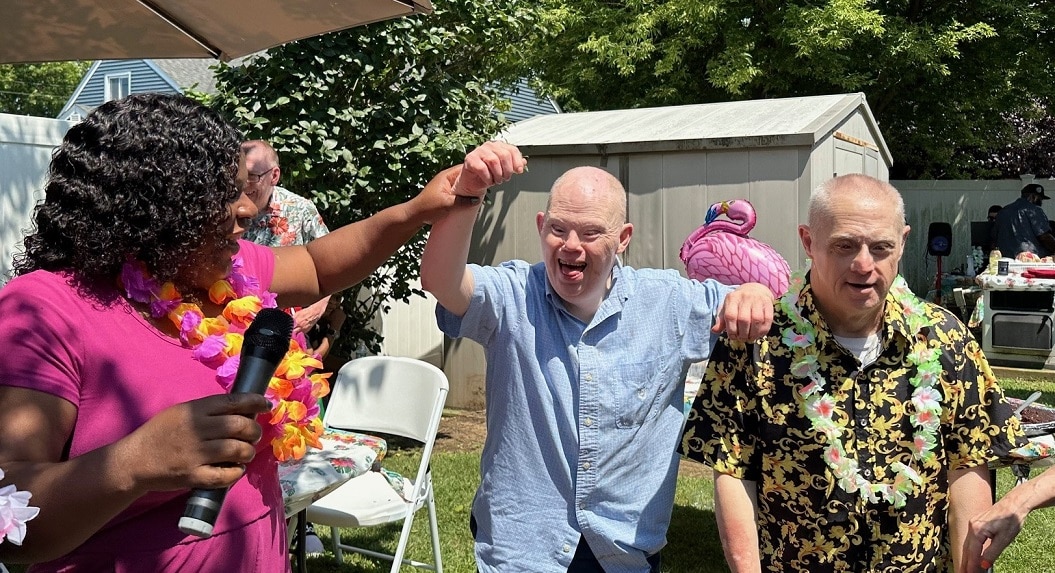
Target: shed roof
752,123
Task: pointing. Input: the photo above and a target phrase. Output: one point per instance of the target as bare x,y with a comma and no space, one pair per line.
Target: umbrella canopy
55,30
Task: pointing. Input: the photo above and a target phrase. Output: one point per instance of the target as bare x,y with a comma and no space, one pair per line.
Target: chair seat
363,501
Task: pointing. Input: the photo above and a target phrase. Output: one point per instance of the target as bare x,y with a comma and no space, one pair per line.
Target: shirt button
582,505
589,377
587,422
586,465
641,394
863,423
566,548
867,473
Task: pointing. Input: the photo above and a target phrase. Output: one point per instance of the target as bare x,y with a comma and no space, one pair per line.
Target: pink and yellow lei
293,423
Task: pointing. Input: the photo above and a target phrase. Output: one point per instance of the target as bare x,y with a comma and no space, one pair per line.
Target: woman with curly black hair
121,333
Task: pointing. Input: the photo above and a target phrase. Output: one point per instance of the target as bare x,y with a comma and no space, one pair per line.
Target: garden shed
674,163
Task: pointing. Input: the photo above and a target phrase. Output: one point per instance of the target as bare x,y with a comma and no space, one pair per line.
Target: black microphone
265,342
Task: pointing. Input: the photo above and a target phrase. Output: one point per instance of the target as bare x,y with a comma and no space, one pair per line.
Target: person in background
586,365
112,406
322,336
993,530
856,435
994,210
1023,226
283,217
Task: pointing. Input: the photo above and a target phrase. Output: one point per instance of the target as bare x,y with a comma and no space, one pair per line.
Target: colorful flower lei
819,406
293,423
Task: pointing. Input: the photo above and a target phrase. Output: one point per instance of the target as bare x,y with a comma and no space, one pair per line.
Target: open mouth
569,269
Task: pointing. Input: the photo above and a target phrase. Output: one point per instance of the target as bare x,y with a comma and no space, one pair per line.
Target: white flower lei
819,406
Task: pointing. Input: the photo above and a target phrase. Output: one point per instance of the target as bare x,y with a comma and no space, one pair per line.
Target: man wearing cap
1023,225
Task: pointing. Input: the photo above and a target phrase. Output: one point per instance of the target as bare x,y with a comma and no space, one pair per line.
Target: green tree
363,118
38,89
940,76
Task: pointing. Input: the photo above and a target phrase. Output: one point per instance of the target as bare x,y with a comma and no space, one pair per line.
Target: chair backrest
388,394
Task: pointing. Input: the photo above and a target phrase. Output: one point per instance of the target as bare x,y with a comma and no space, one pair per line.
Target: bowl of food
1037,419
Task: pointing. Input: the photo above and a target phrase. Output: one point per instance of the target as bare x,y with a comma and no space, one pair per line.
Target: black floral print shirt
748,421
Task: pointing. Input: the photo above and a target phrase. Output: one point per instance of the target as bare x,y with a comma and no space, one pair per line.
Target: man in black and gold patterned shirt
856,435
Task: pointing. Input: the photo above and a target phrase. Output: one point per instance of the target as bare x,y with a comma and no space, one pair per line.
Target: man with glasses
283,218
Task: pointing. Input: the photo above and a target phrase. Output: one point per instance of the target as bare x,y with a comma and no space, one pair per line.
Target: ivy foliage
942,77
363,118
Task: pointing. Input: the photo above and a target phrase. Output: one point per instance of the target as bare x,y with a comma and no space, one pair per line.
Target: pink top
119,371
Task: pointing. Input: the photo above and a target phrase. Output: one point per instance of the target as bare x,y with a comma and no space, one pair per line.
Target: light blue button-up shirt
582,419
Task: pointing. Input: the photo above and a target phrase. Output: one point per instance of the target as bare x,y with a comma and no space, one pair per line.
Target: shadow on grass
693,543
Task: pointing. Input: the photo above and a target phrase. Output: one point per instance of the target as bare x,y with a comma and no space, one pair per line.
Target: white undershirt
866,349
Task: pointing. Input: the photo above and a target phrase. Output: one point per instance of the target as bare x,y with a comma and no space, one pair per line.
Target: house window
118,86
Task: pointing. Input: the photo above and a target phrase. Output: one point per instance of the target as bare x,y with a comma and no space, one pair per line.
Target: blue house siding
526,103
144,77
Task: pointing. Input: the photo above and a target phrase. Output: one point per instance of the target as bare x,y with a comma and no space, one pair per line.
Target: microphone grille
270,332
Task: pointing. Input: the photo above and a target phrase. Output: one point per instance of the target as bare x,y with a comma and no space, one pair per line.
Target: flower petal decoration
15,511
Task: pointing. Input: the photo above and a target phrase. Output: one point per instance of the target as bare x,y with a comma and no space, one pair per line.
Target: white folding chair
389,395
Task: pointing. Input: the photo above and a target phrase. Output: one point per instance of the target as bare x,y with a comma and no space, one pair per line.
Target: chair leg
335,536
434,529
404,538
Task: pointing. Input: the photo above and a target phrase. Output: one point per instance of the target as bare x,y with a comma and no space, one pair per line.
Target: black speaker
939,239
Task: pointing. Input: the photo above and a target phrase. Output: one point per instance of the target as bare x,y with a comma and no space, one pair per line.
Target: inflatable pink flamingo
721,250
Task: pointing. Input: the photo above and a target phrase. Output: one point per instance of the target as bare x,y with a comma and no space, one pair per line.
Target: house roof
752,123
190,73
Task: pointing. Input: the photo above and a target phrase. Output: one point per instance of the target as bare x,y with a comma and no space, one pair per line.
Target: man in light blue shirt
586,363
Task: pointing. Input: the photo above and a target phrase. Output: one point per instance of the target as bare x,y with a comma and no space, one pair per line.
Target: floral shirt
289,220
748,421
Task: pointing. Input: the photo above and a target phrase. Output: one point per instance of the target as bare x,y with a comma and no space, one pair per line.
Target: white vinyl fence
26,144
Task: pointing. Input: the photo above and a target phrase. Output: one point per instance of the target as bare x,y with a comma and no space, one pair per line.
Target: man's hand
492,163
746,313
462,186
304,319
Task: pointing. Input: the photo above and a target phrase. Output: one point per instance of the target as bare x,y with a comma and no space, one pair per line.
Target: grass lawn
693,544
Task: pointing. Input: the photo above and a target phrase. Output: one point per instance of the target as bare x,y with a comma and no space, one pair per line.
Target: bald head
261,150
592,182
858,188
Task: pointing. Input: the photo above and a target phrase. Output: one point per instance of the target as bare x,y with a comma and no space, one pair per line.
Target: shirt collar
894,322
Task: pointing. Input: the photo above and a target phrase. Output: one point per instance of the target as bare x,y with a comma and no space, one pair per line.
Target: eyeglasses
255,177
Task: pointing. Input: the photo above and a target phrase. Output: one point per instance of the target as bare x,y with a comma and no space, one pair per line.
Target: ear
276,174
624,237
806,239
540,218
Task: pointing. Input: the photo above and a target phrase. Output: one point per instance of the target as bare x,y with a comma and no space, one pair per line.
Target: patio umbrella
52,30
